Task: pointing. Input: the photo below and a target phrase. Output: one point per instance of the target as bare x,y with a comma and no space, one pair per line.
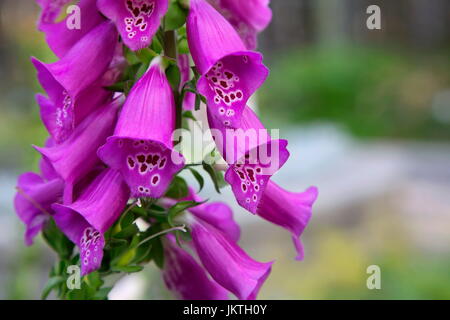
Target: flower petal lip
33,201
93,213
58,35
141,147
184,276
136,21
289,210
252,155
76,156
230,74
227,263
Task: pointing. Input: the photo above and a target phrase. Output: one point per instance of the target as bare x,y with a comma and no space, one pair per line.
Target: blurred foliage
371,92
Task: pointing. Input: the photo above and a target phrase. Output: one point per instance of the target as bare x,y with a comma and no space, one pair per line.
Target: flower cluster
109,180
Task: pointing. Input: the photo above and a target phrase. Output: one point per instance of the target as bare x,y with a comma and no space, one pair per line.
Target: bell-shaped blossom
227,263
51,9
252,155
141,147
217,214
185,70
73,92
86,220
290,210
230,74
61,36
33,201
186,278
76,156
136,20
248,17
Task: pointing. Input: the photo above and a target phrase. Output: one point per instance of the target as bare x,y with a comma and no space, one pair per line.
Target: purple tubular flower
289,210
252,155
230,73
72,92
217,214
136,20
51,9
85,220
141,147
45,167
33,201
185,70
248,17
59,36
76,156
227,263
184,276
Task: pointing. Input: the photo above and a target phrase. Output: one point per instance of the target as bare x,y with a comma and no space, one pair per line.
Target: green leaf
142,253
127,232
179,208
178,189
128,269
57,240
175,17
156,45
140,72
213,175
188,114
183,47
198,177
51,284
157,252
102,293
174,76
146,55
116,87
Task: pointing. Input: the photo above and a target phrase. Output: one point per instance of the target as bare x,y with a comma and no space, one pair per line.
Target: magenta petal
77,155
230,73
227,263
136,20
186,278
33,201
249,177
85,220
51,9
141,147
217,214
289,210
45,166
247,17
73,93
59,37
252,157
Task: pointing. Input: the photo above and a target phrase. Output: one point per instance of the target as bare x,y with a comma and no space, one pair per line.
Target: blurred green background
367,114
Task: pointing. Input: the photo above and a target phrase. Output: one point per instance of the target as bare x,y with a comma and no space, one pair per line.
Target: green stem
170,50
